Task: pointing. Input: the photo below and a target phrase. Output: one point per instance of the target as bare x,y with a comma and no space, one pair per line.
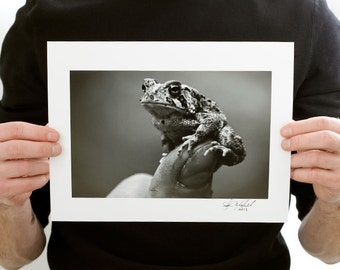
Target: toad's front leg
209,125
202,133
189,143
230,146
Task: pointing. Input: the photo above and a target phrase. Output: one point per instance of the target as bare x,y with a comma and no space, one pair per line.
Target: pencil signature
239,205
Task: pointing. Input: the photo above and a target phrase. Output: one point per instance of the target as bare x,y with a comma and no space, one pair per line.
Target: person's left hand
316,142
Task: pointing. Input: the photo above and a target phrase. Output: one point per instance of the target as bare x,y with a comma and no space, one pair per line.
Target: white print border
277,57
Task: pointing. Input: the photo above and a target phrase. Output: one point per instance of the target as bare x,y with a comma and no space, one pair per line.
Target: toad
187,118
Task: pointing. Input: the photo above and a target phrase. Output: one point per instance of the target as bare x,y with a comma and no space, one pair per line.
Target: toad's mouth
161,109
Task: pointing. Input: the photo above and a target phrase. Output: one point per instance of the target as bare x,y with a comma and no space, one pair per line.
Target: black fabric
167,245
308,23
305,197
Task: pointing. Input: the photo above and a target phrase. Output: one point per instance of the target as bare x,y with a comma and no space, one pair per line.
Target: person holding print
27,142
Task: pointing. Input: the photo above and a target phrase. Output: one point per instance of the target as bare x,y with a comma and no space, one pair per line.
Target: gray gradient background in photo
113,137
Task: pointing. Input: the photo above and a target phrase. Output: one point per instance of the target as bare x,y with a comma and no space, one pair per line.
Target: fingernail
286,132
52,137
56,150
286,144
47,177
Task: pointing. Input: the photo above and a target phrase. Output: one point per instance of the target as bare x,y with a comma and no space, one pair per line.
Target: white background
300,259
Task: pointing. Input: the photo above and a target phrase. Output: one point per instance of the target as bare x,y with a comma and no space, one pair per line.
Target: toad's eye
174,91
143,88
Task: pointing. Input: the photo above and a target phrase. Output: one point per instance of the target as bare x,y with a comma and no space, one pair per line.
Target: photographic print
170,131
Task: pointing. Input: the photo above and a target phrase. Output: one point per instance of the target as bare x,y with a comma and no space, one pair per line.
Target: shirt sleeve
24,90
319,95
24,82
320,92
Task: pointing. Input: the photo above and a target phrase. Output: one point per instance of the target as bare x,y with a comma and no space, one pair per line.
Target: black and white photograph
156,142
142,138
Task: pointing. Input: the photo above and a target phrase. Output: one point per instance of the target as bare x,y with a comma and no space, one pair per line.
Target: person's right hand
25,150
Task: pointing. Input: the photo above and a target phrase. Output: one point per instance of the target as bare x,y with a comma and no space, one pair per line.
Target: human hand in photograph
316,142
179,175
186,175
24,166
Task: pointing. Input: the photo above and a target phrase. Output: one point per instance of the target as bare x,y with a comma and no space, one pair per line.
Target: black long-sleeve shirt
308,23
